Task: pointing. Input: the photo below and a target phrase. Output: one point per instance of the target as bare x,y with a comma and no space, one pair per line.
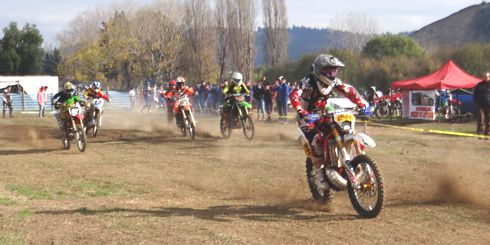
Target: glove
110,100
301,113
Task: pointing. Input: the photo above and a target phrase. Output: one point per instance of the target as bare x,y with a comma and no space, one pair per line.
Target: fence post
23,99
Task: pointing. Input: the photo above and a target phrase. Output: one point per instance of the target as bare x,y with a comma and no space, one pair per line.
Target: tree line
200,39
21,52
388,58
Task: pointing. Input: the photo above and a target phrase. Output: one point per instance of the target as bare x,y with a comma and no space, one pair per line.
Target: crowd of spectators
266,96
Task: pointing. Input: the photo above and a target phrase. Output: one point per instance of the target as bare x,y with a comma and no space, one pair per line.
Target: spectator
42,99
132,98
268,100
481,96
282,89
148,96
7,102
203,95
258,95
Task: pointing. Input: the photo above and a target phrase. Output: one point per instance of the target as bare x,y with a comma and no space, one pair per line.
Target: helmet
325,68
96,85
172,83
236,78
69,88
180,82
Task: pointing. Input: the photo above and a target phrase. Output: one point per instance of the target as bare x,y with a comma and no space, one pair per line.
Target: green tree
30,51
473,58
392,46
51,61
9,58
21,52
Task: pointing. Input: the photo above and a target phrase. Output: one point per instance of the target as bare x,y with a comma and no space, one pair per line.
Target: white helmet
237,78
325,68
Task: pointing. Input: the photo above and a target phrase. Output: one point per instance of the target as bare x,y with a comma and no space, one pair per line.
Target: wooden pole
23,99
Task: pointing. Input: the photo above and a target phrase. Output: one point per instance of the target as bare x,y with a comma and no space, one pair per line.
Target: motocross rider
63,100
93,92
236,87
317,88
179,90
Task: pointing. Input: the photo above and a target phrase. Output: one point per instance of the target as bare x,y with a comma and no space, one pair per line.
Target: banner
422,105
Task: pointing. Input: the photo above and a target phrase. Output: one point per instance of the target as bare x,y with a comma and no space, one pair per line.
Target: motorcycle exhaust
335,179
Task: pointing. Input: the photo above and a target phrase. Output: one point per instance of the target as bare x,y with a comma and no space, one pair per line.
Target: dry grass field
139,182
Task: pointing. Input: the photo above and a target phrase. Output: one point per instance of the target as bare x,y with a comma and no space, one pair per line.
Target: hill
302,40
469,25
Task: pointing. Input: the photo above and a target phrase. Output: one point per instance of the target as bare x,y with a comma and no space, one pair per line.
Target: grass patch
24,213
7,201
11,239
96,188
30,192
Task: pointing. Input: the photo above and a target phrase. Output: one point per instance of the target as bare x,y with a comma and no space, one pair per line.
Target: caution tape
429,130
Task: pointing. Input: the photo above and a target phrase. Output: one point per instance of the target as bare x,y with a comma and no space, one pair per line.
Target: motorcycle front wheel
66,142
98,121
190,127
81,138
248,127
368,196
225,128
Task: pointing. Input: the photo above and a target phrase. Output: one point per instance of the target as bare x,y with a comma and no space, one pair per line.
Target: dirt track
139,182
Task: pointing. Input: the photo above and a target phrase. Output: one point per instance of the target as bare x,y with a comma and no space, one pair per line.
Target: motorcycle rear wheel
81,138
319,195
367,199
382,111
248,127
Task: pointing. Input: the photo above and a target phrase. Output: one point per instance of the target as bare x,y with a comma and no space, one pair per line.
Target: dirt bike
237,117
449,108
388,106
348,167
187,124
74,129
93,118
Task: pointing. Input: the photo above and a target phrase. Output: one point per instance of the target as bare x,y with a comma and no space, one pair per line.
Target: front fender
246,105
366,140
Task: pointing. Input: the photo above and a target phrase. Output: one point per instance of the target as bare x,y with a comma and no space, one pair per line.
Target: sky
53,16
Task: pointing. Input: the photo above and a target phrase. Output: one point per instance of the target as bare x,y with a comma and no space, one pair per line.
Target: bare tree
241,16
221,36
275,31
200,39
357,29
157,44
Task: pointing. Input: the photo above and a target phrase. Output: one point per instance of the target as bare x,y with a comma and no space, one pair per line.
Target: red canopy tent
449,76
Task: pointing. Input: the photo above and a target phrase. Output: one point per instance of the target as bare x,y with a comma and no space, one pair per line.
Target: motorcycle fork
239,111
345,156
191,115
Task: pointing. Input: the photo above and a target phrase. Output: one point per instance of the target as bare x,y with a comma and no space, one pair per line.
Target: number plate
344,118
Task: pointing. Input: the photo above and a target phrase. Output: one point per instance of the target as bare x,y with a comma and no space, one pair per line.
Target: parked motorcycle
348,168
238,117
93,118
74,129
187,124
388,106
449,108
